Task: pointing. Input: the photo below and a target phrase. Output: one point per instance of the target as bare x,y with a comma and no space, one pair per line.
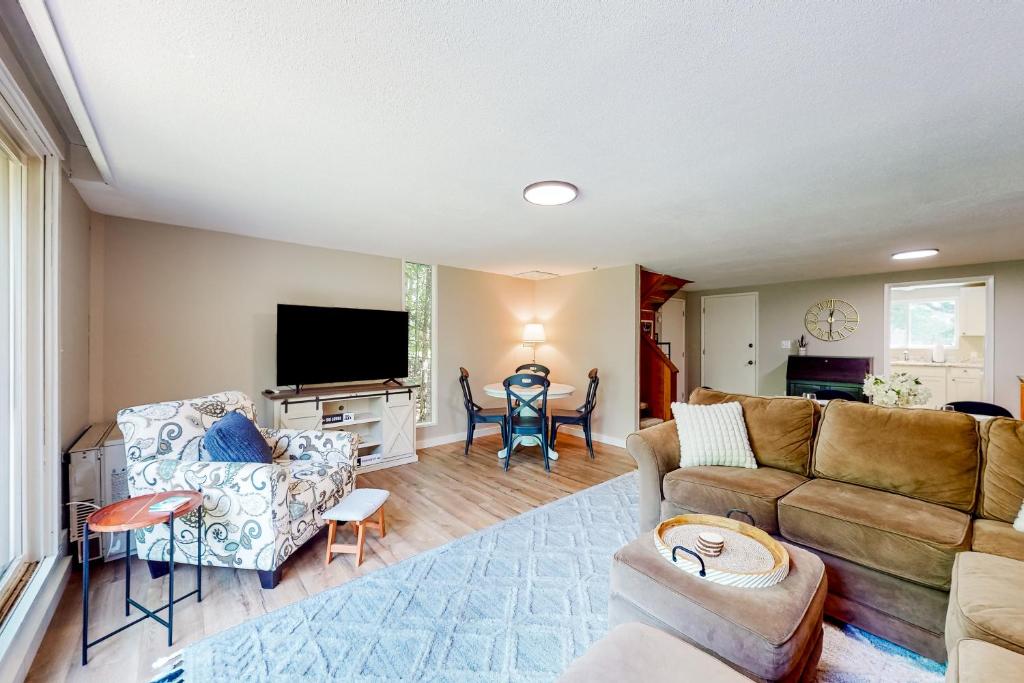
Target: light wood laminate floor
442,497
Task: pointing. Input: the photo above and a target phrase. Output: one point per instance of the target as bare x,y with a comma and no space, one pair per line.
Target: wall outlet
787,344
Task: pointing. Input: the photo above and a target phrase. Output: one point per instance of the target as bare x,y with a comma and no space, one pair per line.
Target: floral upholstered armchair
256,514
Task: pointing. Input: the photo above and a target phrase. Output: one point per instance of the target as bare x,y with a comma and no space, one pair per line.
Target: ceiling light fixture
550,192
916,253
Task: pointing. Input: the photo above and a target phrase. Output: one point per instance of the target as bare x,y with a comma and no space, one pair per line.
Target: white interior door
729,342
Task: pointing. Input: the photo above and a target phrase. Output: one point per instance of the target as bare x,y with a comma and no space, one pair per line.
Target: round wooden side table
128,515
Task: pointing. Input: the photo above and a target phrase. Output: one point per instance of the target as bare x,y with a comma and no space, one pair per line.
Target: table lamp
533,334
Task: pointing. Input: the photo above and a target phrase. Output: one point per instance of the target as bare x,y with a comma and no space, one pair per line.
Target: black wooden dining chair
527,413
581,416
534,368
980,408
476,414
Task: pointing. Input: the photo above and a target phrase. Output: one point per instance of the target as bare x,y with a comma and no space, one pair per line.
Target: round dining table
555,390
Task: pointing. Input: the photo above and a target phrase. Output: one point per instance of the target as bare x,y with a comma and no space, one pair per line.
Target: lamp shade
533,333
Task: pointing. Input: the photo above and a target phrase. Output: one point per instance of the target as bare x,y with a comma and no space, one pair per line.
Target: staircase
658,374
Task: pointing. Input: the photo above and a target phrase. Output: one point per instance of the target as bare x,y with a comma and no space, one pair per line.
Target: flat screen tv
320,345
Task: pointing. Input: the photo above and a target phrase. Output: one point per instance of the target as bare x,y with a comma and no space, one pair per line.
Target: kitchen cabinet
933,378
973,310
964,384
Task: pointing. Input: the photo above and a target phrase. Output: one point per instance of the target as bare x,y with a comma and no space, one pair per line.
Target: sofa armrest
656,451
246,521
337,448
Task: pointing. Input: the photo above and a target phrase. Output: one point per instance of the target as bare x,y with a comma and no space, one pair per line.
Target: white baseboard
571,430
452,438
26,625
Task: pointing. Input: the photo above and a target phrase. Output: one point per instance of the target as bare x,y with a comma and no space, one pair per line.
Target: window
11,273
418,291
923,323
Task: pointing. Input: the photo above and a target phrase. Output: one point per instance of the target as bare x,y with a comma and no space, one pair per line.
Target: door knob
750,362
750,346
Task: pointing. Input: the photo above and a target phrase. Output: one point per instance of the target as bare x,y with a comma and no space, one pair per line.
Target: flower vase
801,351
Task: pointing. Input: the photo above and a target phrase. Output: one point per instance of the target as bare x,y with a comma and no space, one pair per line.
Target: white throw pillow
1018,523
712,435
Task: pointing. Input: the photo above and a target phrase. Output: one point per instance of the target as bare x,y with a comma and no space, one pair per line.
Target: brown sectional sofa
886,497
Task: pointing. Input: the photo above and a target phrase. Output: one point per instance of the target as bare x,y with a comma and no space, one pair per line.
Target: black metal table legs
129,602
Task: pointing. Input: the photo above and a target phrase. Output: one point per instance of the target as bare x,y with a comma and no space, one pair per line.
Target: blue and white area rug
517,601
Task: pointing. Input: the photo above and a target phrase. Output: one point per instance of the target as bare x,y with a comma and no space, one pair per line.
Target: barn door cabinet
383,415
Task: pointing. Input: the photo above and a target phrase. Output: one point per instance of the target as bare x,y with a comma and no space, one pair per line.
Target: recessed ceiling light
916,253
550,192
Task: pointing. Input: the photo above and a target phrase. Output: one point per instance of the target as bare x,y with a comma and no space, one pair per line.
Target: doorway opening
941,331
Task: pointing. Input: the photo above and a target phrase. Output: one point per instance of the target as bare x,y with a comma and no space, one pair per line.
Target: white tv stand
385,418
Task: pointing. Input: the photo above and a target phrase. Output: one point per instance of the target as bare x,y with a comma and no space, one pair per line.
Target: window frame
37,380
433,337
14,402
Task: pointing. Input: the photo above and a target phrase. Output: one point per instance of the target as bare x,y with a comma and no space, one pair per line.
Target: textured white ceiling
727,142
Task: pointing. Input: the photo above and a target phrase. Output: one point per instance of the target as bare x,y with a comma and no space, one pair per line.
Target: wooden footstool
356,508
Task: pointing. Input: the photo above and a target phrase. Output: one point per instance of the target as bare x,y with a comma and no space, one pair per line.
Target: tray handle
703,570
742,512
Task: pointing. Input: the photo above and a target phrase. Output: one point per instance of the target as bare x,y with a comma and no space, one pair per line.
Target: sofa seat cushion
975,661
908,538
986,601
716,490
997,538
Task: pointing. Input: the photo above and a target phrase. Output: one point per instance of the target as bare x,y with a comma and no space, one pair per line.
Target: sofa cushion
781,429
997,538
986,601
931,455
234,438
716,490
712,435
1002,473
175,429
975,661
902,536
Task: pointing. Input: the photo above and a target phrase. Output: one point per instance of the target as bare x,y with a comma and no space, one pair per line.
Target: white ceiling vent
536,275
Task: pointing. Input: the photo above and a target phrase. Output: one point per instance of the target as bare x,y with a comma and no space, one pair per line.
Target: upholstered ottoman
986,601
975,661
635,652
768,634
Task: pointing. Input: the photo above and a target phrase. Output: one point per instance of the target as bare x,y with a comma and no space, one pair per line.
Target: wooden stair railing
658,377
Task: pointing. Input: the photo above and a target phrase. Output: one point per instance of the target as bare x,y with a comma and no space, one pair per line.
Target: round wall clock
831,319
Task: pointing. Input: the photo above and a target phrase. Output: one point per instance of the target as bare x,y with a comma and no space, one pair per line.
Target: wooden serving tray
757,560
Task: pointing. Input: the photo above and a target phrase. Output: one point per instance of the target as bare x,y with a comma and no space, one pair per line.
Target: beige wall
180,312
591,320
480,318
188,312
74,314
781,308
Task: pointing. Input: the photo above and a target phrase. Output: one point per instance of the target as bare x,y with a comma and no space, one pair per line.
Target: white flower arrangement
900,389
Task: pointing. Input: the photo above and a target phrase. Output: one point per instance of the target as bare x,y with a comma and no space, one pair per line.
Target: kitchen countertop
949,364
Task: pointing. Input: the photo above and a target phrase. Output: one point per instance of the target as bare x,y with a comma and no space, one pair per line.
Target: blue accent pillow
233,438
